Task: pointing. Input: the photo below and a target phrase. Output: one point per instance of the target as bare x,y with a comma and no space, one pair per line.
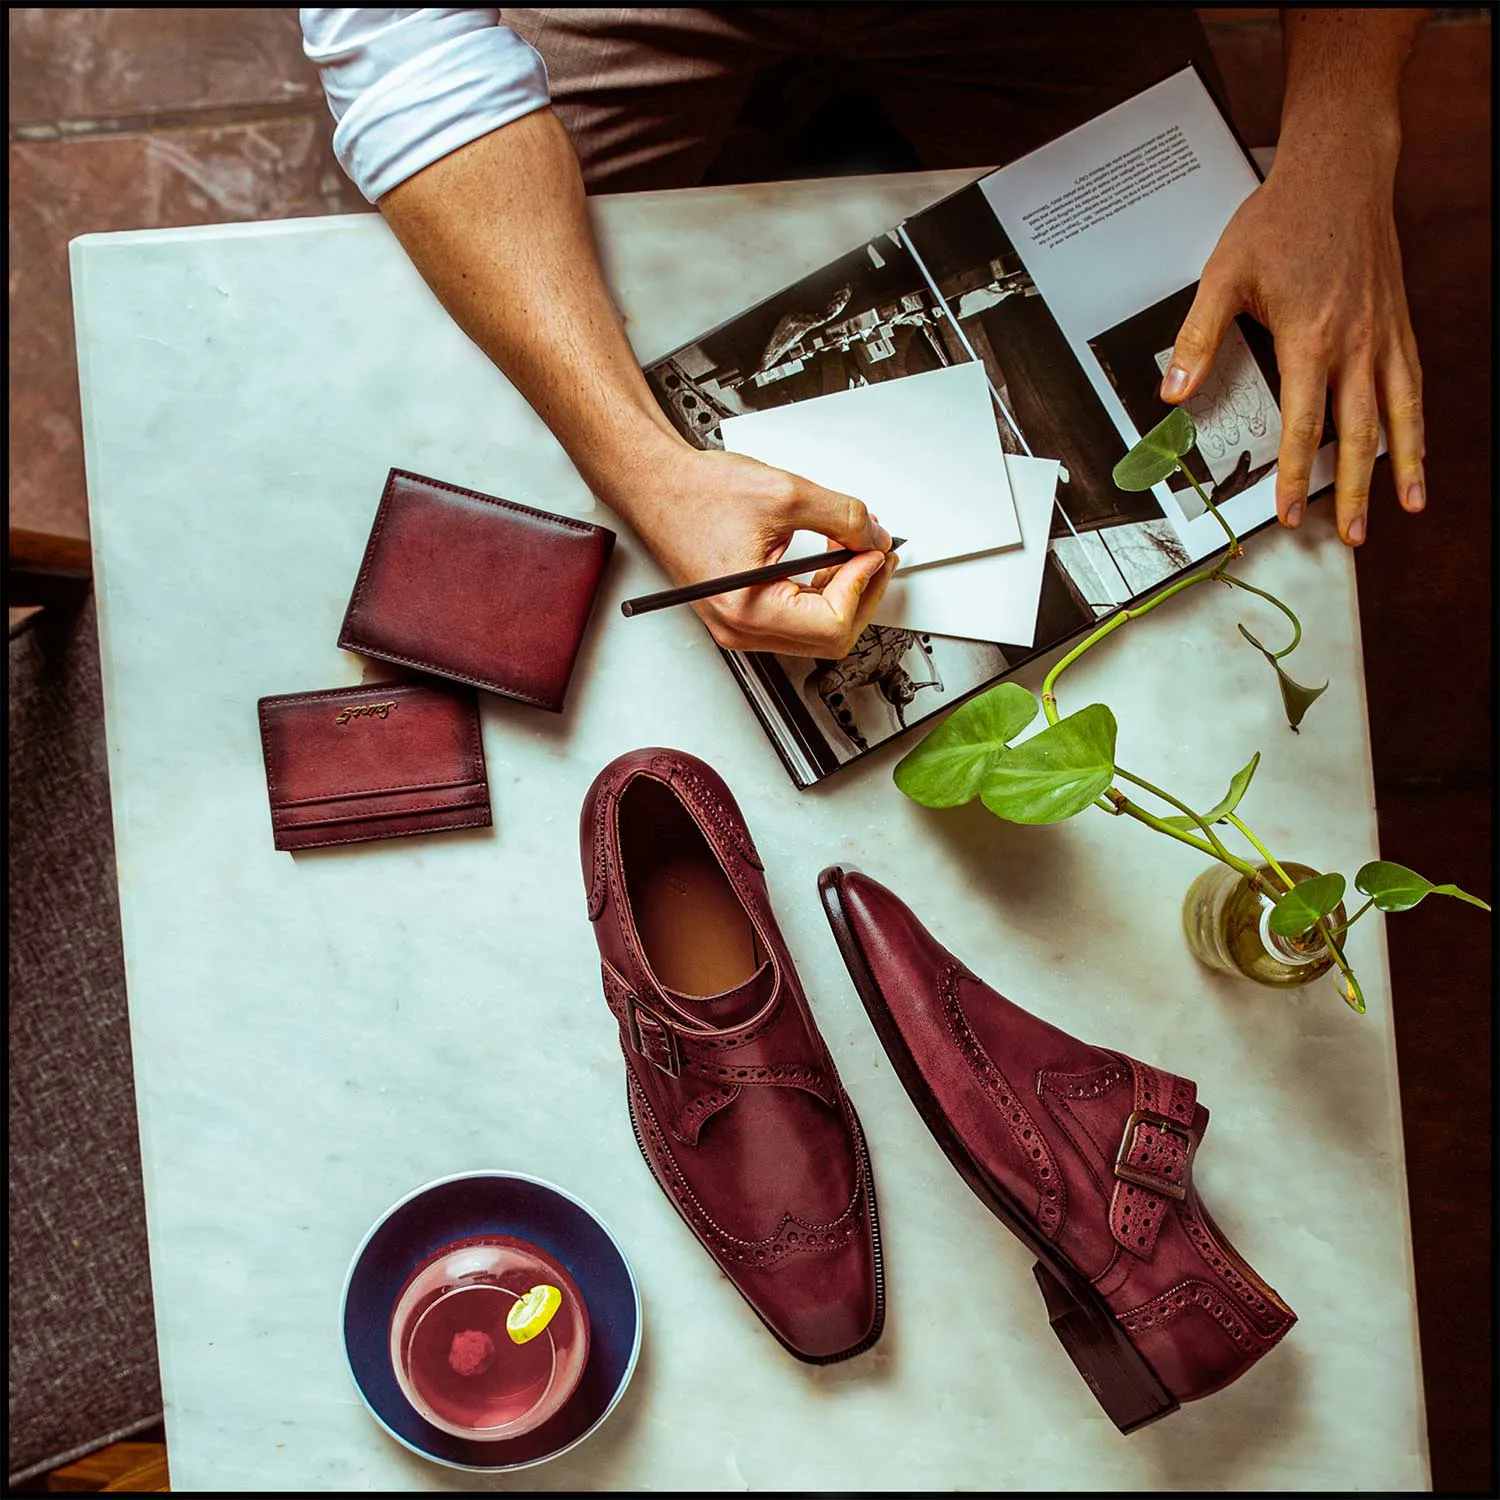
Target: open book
1066,276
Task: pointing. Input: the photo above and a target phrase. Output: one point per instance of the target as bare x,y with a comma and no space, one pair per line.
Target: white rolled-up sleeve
408,86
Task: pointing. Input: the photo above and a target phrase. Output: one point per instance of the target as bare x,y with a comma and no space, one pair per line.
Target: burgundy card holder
476,589
376,761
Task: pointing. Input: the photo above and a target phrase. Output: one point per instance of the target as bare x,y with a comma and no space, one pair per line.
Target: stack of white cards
923,452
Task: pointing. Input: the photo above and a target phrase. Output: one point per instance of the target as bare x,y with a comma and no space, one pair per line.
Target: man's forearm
1343,79
499,230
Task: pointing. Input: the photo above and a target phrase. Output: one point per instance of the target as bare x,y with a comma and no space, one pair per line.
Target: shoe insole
696,935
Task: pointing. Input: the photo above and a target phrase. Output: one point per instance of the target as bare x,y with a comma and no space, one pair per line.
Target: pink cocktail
454,1358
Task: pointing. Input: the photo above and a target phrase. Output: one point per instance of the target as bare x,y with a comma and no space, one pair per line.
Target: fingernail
1175,384
1416,496
882,539
1294,514
1357,530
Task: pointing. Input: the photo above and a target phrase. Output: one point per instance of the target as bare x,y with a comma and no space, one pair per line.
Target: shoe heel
1125,1385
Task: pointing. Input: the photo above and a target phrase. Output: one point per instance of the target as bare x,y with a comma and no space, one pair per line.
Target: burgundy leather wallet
373,762
476,589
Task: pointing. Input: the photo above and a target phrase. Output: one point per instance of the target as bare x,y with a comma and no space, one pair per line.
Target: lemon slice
532,1313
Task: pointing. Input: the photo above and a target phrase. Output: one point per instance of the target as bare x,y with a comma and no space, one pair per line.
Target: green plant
1070,765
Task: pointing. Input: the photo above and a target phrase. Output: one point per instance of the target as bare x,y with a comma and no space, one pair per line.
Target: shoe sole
862,1152
1126,1386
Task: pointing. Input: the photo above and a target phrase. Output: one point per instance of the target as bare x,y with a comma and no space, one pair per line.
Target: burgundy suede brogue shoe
735,1101
1083,1153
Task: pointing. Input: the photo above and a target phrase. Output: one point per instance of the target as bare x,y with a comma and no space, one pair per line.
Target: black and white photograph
894,678
881,312
1125,537
829,712
873,315
1236,413
864,318
998,313
947,287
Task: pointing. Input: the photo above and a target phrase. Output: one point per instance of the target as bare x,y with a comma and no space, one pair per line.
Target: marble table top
316,1036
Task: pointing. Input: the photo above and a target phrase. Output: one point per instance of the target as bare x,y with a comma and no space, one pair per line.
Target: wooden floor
1424,584
137,1467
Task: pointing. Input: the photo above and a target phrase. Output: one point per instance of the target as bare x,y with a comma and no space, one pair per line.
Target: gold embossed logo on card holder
363,710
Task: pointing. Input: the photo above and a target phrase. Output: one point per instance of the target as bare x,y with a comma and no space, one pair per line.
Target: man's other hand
1312,255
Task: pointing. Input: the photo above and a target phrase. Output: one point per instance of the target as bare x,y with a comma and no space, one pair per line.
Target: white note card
922,451
990,598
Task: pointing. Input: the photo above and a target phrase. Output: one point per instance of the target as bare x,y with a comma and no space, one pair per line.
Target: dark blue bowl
472,1203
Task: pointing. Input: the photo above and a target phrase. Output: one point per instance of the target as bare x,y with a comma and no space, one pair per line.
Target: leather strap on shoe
1153,1166
700,1072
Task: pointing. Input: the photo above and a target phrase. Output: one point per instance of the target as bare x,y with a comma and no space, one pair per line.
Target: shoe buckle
1139,1175
635,1008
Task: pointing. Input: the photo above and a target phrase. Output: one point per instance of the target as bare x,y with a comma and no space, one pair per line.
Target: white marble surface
314,1036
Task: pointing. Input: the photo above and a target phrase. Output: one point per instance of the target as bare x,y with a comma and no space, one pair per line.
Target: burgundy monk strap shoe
735,1101
1084,1154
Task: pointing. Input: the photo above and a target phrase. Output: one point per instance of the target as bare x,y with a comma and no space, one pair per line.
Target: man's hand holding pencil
707,514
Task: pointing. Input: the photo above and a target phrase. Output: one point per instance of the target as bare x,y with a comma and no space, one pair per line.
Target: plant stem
1349,922
1114,801
1049,698
1234,542
1131,809
1261,850
1250,588
1334,948
1120,803
1182,807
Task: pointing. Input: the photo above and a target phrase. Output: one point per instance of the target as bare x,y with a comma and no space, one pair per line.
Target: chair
83,1368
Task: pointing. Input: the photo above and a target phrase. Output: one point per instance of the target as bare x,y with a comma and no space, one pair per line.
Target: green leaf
1393,887
1156,455
1238,786
1295,698
1056,773
1298,911
950,765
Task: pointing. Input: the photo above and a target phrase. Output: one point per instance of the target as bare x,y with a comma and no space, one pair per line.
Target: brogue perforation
1051,1195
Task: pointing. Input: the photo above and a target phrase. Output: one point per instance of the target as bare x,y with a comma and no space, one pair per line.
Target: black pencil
788,567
